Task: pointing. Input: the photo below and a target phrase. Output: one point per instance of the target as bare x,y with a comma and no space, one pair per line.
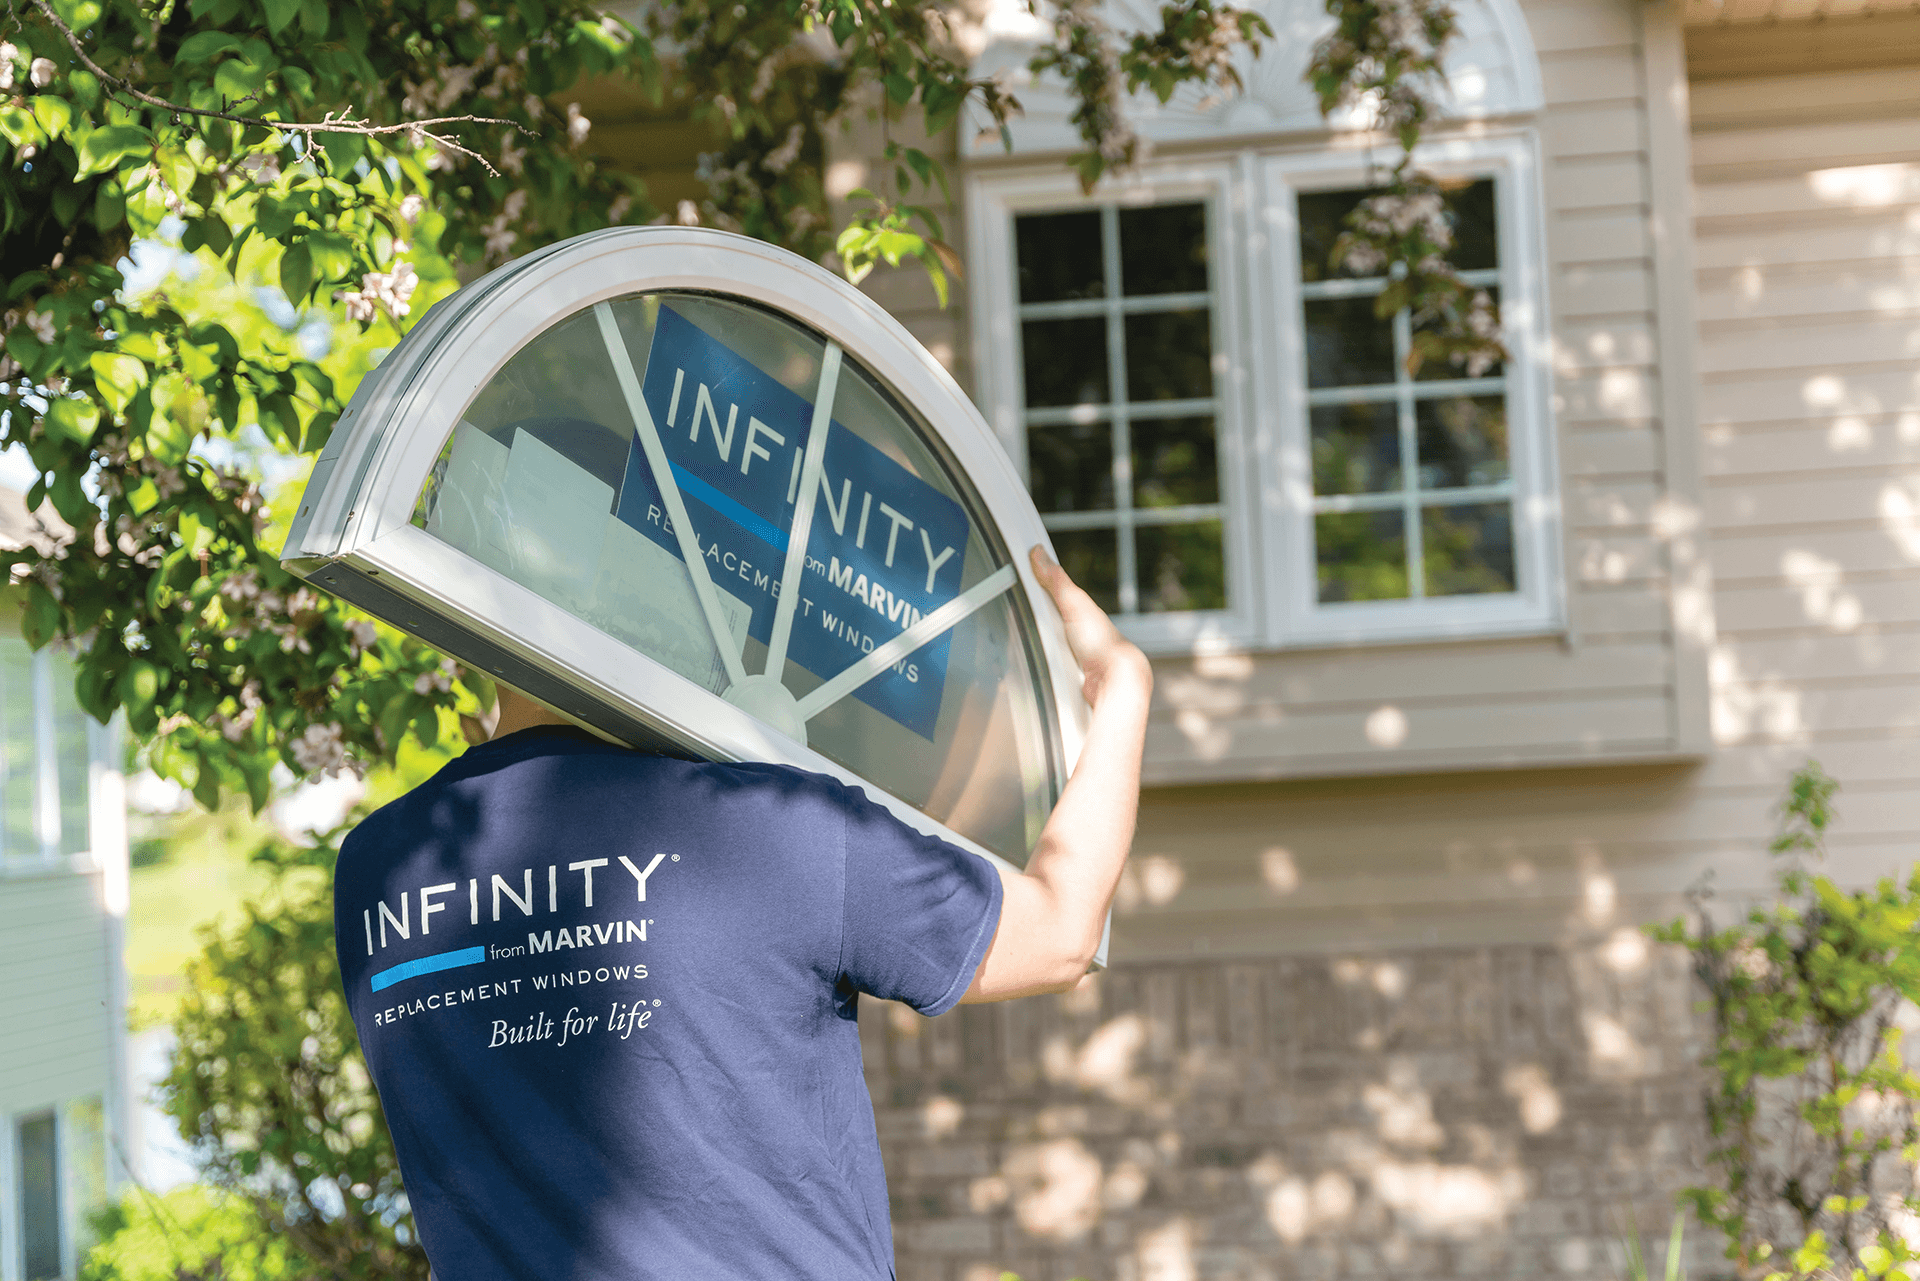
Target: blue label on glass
886,548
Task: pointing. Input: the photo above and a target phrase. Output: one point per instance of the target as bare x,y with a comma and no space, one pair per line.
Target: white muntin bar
927,629
669,491
810,471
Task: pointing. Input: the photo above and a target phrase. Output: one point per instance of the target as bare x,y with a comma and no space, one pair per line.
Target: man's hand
1104,655
1052,914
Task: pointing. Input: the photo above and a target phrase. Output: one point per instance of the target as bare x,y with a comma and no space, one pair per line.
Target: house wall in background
1407,1025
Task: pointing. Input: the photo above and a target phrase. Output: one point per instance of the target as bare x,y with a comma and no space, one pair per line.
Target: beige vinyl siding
58,1035
1808,307
1606,690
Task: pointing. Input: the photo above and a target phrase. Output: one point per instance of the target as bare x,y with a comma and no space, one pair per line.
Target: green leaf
204,46
103,148
344,150
40,621
296,273
53,113
73,420
237,82
78,14
280,13
18,126
138,686
331,254
118,377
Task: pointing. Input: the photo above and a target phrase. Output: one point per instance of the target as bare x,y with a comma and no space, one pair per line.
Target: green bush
1810,1102
190,1234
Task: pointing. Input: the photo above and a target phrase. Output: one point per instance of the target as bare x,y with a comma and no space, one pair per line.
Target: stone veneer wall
1425,1114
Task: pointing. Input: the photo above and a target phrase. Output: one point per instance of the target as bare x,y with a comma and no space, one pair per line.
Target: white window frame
1264,438
993,205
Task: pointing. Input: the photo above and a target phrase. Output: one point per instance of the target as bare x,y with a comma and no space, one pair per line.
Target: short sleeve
920,912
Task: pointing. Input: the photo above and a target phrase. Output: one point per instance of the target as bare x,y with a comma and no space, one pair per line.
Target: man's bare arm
1052,914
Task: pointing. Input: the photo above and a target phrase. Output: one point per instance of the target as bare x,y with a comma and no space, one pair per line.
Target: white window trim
1264,443
992,205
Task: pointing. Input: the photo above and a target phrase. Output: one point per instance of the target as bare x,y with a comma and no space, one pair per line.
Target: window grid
1119,412
1404,392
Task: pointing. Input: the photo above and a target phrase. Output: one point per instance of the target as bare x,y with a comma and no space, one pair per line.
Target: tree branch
417,131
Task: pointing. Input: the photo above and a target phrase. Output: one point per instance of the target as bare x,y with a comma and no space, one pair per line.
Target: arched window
1225,441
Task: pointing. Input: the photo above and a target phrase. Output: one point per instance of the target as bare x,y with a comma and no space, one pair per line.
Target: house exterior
1461,682
63,905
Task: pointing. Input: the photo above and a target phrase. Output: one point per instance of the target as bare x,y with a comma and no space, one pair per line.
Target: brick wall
1437,1113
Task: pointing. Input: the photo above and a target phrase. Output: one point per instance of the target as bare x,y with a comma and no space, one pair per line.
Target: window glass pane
1443,370
1476,243
1181,567
1356,448
1065,361
1347,345
1070,467
17,751
1092,557
1323,216
1174,462
70,739
1463,441
548,480
1163,249
1170,355
86,1167
1468,549
1361,555
39,1196
1059,256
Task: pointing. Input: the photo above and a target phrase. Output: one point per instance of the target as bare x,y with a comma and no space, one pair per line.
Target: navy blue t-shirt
608,1000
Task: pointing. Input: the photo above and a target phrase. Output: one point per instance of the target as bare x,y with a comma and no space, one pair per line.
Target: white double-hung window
1228,445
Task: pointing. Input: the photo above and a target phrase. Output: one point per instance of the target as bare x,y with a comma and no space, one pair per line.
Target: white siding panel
53,959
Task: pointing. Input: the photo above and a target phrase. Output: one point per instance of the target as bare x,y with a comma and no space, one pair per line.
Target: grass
189,871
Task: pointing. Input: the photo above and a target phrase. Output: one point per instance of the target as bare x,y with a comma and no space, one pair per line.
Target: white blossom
234,728
500,237
410,207
41,323
361,636
513,159
320,750
786,153
9,57
514,205
358,306
687,214
41,72
242,587
577,124
534,106
617,211
389,289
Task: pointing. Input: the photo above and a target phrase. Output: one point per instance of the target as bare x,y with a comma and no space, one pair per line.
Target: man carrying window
620,1037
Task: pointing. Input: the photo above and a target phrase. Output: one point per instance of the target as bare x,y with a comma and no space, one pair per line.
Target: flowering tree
353,154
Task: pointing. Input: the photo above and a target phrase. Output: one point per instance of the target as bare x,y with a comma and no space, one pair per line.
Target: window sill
1202,640
35,869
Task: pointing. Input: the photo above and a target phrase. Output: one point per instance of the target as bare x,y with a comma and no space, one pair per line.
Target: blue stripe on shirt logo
429,965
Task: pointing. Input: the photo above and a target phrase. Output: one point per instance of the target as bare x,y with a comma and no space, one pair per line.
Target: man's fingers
1067,595
1090,633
